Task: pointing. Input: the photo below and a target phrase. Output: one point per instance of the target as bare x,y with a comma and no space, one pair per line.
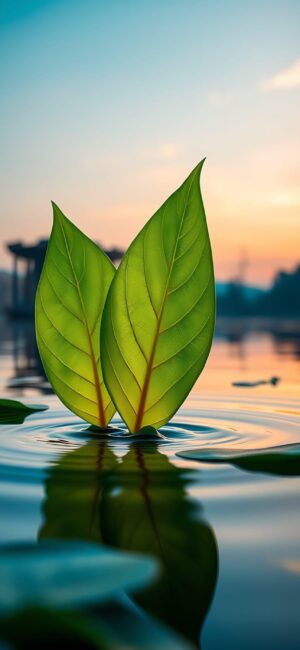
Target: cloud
288,78
220,98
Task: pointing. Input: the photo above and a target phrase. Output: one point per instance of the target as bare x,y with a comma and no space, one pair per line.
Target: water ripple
209,423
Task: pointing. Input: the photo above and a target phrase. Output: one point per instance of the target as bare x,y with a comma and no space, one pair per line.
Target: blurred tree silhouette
281,300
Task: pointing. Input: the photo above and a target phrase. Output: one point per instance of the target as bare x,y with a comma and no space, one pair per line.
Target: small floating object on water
261,382
14,412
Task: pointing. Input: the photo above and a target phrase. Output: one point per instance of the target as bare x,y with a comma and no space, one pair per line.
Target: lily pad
283,460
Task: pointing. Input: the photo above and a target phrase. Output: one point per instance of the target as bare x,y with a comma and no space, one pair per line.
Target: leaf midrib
144,392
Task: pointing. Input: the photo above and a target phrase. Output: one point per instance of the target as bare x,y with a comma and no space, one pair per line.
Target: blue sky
107,106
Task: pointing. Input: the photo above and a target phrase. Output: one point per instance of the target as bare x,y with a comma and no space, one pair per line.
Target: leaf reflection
139,504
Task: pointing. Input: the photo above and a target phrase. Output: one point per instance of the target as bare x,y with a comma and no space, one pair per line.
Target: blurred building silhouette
27,266
234,299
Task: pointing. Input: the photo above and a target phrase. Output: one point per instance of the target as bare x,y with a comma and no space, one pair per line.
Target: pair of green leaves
135,339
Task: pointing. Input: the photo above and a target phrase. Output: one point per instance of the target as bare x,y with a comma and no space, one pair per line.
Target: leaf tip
196,172
200,165
57,213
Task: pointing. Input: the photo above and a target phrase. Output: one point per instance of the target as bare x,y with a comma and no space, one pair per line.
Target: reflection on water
17,341
138,505
247,347
227,538
285,334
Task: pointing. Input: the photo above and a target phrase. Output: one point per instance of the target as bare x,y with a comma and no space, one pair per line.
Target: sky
106,107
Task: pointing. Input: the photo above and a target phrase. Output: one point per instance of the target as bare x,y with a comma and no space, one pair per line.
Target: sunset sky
107,106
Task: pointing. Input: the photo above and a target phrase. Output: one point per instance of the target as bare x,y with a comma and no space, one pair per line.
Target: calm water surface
228,539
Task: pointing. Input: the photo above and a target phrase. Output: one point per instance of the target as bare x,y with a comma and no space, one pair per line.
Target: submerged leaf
70,297
158,320
14,412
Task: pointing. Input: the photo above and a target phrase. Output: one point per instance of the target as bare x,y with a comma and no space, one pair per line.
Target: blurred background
107,106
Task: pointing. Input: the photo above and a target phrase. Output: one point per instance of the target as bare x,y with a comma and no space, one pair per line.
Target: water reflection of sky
250,520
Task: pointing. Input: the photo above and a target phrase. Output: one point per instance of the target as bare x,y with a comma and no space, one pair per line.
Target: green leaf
282,461
158,319
70,297
14,412
65,574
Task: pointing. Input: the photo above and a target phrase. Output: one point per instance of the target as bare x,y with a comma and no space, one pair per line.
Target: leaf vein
128,314
68,385
145,276
191,273
202,328
199,298
66,307
174,383
187,250
57,330
75,372
121,353
118,380
61,273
